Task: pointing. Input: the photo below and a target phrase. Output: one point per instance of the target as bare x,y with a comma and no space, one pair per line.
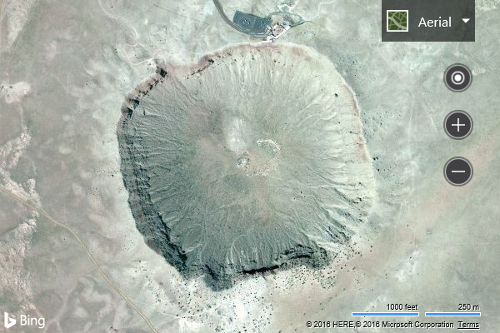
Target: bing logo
24,320
8,322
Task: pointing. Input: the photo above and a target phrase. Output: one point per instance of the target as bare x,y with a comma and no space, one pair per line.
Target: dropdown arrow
465,20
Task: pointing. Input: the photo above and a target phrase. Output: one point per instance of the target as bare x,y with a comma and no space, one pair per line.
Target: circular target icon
457,77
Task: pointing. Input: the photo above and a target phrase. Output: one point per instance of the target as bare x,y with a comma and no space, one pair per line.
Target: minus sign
457,171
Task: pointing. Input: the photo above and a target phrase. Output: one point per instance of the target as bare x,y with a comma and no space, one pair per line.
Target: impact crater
249,160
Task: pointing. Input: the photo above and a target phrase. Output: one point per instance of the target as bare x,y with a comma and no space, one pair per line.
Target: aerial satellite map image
266,166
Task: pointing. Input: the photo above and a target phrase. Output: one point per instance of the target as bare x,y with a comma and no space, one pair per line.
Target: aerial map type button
428,21
458,125
458,171
458,77
397,21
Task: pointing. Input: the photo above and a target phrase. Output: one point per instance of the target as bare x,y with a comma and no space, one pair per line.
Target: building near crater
249,160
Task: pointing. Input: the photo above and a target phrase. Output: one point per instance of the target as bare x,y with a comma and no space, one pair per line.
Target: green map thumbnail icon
397,21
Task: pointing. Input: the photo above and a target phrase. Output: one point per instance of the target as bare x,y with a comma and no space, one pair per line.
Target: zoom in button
458,125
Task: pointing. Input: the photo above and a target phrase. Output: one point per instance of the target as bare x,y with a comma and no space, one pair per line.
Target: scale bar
385,314
453,314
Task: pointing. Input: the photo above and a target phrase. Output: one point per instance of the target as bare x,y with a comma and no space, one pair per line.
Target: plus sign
458,125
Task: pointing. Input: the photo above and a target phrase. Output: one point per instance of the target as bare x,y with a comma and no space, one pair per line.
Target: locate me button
428,21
